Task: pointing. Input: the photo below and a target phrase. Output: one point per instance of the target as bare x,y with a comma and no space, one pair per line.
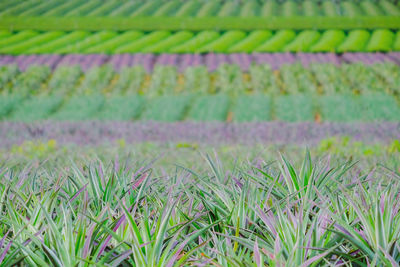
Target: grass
132,213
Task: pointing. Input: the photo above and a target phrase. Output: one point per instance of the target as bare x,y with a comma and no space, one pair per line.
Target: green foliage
169,42
52,46
122,108
329,41
374,107
294,108
96,80
250,8
297,79
30,81
350,9
310,8
194,44
303,41
17,38
37,108
270,8
355,41
229,9
64,79
209,108
277,41
381,40
253,40
289,9
229,79
7,74
252,108
263,80
143,42
197,80
163,81
223,43
80,108
167,8
8,103
188,9
166,108
208,9
130,80
88,42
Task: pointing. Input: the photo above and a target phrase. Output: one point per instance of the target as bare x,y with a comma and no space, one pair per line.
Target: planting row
269,212
198,8
230,79
183,61
197,15
98,133
220,107
112,42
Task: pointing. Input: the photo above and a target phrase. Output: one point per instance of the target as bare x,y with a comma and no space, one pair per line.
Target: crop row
164,80
190,134
220,107
197,8
112,42
130,213
183,61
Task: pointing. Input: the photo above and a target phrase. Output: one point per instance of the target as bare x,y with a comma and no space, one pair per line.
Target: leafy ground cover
198,15
294,93
170,41
197,8
133,213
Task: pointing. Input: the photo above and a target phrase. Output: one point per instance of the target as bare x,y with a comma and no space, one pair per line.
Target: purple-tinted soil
97,133
182,61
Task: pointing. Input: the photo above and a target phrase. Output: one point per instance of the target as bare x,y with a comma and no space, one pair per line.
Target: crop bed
197,15
97,133
315,78
234,41
293,93
183,61
196,8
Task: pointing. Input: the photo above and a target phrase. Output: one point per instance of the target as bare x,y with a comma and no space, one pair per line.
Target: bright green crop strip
197,23
194,44
118,41
88,42
277,41
168,43
329,41
63,41
356,41
303,41
381,40
141,43
113,42
253,40
224,42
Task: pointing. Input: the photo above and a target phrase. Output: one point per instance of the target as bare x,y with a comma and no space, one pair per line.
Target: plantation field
228,214
171,133
233,41
198,15
197,8
294,93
